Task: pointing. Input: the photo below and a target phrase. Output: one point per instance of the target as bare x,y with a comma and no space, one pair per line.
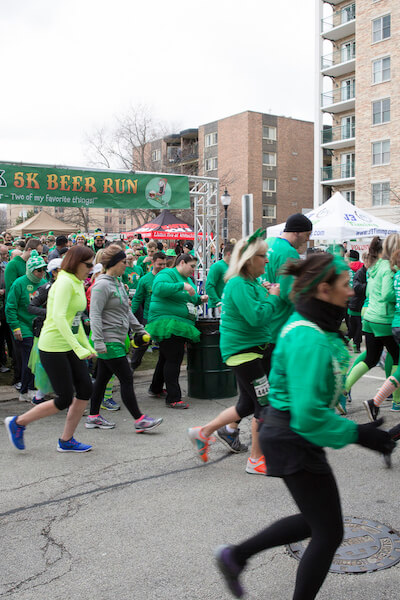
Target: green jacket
279,252
307,379
18,299
63,330
143,294
14,269
215,282
247,311
380,293
396,286
169,300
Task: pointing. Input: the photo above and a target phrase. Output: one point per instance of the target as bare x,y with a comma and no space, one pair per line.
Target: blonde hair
390,245
108,253
242,255
99,254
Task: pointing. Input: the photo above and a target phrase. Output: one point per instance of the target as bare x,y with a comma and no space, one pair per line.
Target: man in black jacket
356,303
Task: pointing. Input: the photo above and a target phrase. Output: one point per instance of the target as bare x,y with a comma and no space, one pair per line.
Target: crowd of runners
76,313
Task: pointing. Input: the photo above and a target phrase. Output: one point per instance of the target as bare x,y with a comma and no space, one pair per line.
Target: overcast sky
69,67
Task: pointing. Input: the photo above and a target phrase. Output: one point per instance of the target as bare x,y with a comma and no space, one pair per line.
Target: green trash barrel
208,376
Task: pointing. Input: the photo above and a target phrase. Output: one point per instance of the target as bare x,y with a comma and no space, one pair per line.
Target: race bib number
261,388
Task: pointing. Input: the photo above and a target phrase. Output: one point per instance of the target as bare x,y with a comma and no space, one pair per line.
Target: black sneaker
230,569
372,409
231,440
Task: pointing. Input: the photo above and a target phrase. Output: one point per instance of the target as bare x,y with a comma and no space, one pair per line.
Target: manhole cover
367,546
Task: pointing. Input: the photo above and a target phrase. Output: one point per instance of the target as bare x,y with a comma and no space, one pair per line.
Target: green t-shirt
18,299
132,276
279,252
14,269
143,294
215,282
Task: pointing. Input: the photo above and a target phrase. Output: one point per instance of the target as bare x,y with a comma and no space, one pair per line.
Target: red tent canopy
165,226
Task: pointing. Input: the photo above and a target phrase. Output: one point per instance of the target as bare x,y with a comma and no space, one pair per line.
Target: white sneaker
4,369
31,394
24,398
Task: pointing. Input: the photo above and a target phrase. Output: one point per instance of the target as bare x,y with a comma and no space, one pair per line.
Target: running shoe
181,405
256,467
372,409
15,432
231,440
17,385
4,369
146,423
31,394
395,407
200,442
24,397
341,406
230,569
72,446
109,404
35,400
162,394
98,422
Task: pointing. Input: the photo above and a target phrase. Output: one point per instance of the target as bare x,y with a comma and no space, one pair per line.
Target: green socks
355,374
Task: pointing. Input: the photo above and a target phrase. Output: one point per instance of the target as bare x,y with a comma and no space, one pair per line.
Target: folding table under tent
338,220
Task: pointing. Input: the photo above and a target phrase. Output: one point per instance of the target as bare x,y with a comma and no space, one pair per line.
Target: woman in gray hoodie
111,322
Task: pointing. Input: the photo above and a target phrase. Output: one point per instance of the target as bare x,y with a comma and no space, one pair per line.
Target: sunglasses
41,269
88,264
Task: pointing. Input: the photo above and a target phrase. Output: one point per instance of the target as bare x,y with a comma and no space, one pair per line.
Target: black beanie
354,255
298,223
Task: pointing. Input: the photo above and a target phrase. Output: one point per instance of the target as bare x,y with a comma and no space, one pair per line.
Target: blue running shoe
72,446
395,407
15,432
109,404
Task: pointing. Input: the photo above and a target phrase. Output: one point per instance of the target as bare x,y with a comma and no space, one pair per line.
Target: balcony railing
338,57
340,17
347,92
338,172
338,134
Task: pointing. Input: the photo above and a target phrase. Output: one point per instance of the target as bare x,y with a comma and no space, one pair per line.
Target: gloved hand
140,339
370,436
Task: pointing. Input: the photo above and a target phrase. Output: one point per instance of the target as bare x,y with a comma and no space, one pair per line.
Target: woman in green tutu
172,316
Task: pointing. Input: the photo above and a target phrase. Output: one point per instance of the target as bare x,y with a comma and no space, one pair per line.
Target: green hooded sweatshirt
18,299
380,293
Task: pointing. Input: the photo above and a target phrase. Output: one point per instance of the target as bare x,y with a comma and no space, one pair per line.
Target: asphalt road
140,515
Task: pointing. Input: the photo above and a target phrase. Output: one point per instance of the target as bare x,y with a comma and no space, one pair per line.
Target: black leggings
66,373
375,346
317,497
168,368
105,369
246,374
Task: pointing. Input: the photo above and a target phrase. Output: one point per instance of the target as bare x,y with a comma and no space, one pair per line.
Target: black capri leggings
69,376
246,374
375,346
317,498
105,369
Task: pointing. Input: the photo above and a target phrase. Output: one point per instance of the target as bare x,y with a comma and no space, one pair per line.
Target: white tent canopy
337,220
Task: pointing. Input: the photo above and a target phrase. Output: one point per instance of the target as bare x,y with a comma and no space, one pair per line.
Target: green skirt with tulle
162,329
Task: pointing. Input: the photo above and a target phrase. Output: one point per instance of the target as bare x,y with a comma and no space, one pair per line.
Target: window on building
350,196
348,51
348,89
211,139
269,185
211,164
59,209
381,152
348,127
156,155
381,70
381,193
269,133
381,111
269,158
269,211
381,28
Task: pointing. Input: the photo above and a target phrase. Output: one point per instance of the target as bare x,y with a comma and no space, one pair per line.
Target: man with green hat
20,320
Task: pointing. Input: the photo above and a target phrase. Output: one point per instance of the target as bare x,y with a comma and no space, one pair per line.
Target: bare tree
127,145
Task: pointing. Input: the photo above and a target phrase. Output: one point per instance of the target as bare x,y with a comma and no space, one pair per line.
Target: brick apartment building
265,155
357,135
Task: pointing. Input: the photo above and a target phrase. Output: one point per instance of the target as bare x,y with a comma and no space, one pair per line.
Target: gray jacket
110,313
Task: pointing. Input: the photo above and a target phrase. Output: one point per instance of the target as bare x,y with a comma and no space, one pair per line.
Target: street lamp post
225,200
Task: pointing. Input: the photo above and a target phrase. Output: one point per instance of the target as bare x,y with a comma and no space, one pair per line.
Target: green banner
41,185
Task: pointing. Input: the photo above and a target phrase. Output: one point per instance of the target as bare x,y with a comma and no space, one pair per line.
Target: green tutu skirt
42,382
162,329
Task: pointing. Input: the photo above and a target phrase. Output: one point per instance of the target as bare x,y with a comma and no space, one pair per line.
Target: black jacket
356,302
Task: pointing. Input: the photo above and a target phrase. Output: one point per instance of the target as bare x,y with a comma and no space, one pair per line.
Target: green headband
337,263
260,233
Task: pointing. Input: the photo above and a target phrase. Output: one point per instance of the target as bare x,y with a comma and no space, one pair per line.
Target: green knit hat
34,262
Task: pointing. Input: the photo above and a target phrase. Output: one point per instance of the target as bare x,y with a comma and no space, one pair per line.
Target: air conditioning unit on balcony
270,141
268,194
268,168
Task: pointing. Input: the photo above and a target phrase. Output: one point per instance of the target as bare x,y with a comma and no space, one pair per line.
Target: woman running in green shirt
63,349
306,381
